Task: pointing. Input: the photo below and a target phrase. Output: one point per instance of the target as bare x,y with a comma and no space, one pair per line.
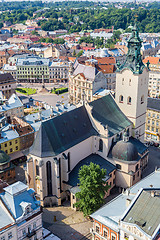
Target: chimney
152,193
128,201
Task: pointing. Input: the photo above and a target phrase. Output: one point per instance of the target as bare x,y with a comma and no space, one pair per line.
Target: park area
26,91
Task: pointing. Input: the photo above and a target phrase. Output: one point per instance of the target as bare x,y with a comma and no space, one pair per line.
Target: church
107,131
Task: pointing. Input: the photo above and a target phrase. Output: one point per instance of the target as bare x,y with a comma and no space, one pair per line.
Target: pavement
69,224
49,98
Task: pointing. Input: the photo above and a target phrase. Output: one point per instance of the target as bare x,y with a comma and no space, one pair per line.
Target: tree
74,53
92,188
80,53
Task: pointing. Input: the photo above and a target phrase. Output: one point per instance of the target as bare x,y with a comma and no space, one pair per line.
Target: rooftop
152,60
111,212
153,103
75,126
144,211
14,197
94,158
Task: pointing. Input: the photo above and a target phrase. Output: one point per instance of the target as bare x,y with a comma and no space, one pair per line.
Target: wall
102,228
137,86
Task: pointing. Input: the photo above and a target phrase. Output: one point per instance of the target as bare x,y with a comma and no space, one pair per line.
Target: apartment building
31,69
128,216
154,84
152,128
12,107
20,213
84,81
59,72
7,68
7,84
107,66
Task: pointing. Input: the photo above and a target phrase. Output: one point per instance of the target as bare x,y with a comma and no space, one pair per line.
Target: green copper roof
134,57
4,158
65,131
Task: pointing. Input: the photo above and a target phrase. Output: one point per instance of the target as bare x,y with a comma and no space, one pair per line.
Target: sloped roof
62,132
13,102
111,212
94,158
153,103
14,195
106,111
152,60
88,71
145,212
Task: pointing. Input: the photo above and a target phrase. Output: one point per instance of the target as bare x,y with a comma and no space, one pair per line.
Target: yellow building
10,141
152,127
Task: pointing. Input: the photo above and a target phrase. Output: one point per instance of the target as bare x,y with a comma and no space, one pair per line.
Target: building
154,84
154,63
12,107
7,84
109,221
10,69
132,86
25,132
20,213
7,168
107,66
141,218
84,81
4,55
88,133
150,48
154,76
58,72
31,69
152,127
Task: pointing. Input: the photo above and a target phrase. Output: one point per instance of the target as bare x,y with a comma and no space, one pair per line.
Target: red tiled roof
106,68
152,60
105,60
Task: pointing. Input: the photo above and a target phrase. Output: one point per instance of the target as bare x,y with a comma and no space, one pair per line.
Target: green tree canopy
92,188
80,53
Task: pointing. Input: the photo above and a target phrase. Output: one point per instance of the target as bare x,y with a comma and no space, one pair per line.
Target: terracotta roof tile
152,60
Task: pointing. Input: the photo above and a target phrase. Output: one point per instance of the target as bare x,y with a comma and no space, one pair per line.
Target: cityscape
80,120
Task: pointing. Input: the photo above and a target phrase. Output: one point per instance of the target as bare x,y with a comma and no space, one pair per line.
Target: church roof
134,58
65,131
125,150
62,132
106,111
94,158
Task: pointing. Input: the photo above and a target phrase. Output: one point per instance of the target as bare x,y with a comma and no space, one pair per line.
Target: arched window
129,100
100,145
129,82
122,81
142,99
49,178
121,99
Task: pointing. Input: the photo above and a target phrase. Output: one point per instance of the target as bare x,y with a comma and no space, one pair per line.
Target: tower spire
134,57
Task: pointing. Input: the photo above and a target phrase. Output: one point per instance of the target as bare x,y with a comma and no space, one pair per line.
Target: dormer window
28,209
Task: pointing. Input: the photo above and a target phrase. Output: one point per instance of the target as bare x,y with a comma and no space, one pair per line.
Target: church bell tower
132,86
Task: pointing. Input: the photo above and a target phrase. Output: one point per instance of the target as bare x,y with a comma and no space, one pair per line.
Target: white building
59,72
154,84
20,213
